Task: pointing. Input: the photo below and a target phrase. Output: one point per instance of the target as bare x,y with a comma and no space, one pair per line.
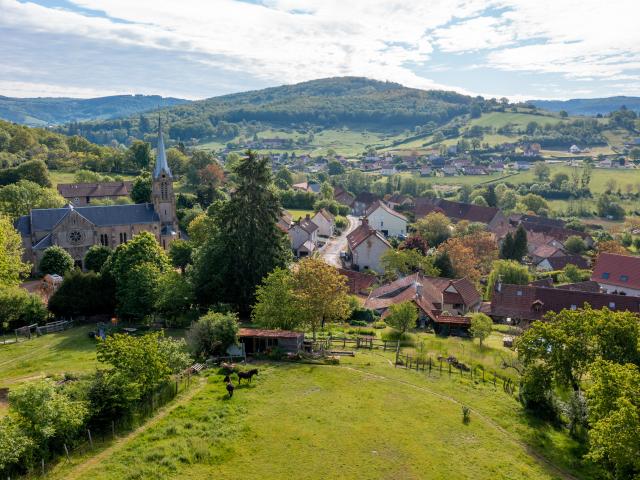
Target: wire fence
450,367
94,438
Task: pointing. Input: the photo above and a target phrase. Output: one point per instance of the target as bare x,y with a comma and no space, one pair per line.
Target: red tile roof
361,233
378,204
453,320
619,270
358,282
454,210
104,189
532,303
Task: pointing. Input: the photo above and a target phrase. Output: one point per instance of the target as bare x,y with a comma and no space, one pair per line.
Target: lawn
297,214
362,419
53,354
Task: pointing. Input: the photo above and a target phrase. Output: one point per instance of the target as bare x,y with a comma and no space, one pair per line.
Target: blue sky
520,49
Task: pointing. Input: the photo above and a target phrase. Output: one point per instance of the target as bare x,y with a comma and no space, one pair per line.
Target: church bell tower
162,196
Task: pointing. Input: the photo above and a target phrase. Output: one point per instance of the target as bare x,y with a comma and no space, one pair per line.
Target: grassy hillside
51,111
363,419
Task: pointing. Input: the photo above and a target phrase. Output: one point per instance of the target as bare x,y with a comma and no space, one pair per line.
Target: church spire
161,159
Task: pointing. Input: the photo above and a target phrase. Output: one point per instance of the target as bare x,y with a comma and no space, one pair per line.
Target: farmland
362,419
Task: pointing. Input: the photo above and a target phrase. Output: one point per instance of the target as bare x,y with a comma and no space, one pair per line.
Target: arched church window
164,190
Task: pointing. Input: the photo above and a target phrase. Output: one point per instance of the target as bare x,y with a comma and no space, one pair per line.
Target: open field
362,419
501,119
53,354
344,141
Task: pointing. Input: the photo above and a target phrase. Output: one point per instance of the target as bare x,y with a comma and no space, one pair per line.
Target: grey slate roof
23,225
44,243
161,159
100,215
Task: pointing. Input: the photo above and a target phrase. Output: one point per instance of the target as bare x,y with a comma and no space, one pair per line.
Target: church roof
101,215
161,158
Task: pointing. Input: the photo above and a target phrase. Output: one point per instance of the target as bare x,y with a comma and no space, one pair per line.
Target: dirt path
120,442
556,470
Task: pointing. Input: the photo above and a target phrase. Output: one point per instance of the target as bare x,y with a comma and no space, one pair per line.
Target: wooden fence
366,342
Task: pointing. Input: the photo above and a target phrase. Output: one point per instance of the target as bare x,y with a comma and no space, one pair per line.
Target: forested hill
51,111
349,101
589,106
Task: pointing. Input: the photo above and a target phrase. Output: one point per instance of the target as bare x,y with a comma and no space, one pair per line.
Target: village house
388,169
426,171
386,220
442,302
76,229
81,194
617,273
362,202
398,200
365,247
325,221
525,303
559,260
304,237
311,187
343,197
457,211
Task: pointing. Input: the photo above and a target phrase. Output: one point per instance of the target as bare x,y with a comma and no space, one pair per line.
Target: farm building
259,340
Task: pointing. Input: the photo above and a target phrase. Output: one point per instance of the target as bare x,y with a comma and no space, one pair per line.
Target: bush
95,257
212,334
56,260
19,308
358,323
379,325
83,294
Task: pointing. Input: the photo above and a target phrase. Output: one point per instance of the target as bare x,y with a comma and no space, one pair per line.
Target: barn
260,340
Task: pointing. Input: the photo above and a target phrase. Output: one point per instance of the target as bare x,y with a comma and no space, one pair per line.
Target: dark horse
247,375
230,389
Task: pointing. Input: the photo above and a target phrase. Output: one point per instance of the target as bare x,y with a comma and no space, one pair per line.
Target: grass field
362,419
57,353
59,176
297,214
501,119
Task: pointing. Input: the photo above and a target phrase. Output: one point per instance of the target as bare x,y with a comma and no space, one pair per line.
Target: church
76,229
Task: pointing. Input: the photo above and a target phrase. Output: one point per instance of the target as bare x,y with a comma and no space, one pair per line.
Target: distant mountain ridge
53,111
589,106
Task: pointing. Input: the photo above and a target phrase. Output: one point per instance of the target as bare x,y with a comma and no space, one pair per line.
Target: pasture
362,419
71,351
298,214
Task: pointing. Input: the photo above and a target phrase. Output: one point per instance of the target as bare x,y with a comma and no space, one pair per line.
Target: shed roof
264,333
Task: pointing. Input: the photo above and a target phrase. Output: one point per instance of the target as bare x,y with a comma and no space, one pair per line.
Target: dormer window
605,275
624,278
612,305
519,293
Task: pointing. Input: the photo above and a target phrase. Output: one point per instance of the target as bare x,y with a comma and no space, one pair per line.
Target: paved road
331,250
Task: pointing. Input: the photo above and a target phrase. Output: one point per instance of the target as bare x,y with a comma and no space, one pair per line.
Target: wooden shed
259,340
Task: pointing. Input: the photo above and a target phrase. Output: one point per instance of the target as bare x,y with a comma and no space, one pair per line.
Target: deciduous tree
12,268
434,228
56,260
402,316
481,326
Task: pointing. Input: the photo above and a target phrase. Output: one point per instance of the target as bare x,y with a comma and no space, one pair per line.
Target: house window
381,223
605,275
624,278
519,293
104,239
612,305
573,307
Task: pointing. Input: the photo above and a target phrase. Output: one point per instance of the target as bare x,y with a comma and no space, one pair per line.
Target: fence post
90,439
449,370
42,464
66,450
113,429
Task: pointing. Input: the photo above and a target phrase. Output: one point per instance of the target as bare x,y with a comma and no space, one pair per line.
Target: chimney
365,221
499,284
307,216
418,287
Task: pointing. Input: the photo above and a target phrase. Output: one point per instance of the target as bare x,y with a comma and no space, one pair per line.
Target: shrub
95,257
56,260
379,325
83,294
212,334
358,323
19,308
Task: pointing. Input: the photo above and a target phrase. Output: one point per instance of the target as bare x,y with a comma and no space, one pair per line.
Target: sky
521,49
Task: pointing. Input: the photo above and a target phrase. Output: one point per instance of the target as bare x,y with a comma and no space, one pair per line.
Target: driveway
330,252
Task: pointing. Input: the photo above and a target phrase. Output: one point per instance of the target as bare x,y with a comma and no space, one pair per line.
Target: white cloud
35,89
286,41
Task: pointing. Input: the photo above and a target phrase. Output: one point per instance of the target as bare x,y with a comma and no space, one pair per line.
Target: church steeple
161,158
